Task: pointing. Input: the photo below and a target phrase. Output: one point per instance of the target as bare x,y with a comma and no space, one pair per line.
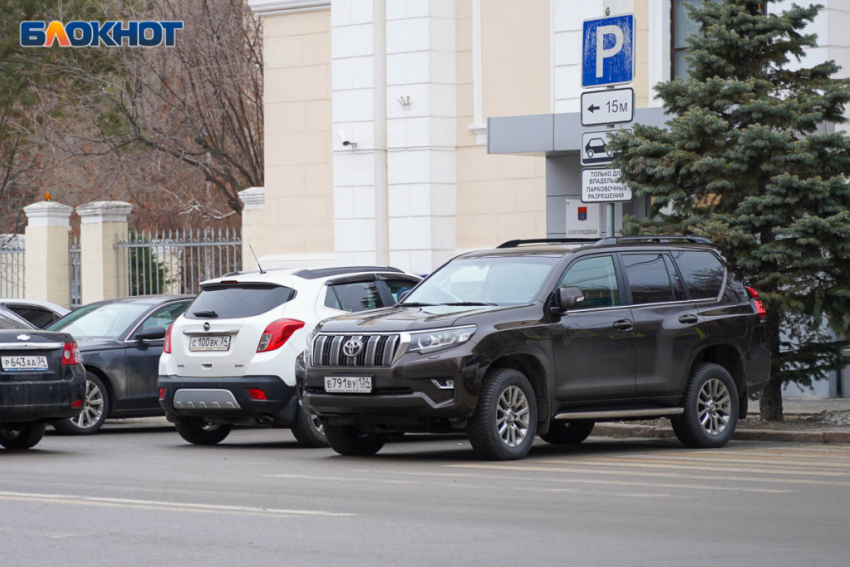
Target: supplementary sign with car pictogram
603,185
595,148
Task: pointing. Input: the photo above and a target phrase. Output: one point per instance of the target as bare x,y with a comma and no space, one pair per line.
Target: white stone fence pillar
253,225
101,224
46,252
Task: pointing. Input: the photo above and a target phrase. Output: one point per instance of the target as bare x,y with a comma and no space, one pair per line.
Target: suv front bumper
404,396
208,398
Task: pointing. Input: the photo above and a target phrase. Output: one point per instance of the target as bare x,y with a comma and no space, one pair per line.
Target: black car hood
97,343
402,318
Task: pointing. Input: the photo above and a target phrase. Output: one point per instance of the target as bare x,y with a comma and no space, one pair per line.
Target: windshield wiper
415,304
469,304
205,313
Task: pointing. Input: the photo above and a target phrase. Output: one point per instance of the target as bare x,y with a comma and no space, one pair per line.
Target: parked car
230,358
121,341
39,313
545,339
41,379
597,146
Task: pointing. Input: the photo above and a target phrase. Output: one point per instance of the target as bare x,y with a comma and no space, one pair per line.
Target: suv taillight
758,303
277,333
167,346
71,354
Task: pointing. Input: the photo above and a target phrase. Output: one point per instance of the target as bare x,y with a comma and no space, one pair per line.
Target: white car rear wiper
205,313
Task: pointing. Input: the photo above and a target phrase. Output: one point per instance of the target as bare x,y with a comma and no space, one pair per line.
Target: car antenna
262,271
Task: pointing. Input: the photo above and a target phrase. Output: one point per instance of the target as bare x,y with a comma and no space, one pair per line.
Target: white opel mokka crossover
230,358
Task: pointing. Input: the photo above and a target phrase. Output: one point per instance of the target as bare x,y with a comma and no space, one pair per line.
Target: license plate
216,342
25,363
348,384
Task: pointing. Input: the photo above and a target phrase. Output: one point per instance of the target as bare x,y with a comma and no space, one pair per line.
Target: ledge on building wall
275,7
253,198
480,131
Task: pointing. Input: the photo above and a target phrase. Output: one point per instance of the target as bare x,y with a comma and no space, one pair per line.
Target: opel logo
207,326
352,347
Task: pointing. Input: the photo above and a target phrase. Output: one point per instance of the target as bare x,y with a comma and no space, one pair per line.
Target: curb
657,432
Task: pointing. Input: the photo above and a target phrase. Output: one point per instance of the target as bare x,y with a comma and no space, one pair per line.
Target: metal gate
175,262
12,266
75,278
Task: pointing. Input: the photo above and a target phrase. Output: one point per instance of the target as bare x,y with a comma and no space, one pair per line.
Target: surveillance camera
343,138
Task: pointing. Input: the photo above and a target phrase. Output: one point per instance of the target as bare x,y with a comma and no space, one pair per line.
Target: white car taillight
277,333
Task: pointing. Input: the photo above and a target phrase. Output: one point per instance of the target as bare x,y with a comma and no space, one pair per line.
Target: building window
682,26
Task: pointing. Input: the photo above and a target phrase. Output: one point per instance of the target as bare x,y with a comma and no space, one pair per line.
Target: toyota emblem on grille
206,326
352,347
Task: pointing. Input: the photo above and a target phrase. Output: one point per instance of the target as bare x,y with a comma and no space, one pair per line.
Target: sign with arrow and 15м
611,106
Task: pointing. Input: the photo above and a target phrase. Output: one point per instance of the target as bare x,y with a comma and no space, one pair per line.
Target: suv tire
568,432
505,420
307,431
24,437
711,409
96,406
198,432
350,441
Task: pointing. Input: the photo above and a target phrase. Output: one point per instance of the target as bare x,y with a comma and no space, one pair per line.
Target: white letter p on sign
601,52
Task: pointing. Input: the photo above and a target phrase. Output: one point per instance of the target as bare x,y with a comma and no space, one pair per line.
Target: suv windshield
495,280
232,301
105,320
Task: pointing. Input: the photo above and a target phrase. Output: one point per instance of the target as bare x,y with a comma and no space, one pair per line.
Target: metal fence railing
75,277
12,266
175,262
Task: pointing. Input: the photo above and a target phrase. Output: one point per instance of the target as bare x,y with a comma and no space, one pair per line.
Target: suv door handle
624,325
689,319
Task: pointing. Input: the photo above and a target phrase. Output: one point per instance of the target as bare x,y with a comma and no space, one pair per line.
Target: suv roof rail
313,274
516,243
657,239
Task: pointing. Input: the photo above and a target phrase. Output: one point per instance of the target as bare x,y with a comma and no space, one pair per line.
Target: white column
101,224
568,18
253,225
46,256
359,118
421,132
659,47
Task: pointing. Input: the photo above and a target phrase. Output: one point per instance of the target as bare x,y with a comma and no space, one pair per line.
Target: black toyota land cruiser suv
545,337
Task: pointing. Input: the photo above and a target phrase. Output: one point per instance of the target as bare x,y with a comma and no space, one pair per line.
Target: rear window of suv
703,273
232,301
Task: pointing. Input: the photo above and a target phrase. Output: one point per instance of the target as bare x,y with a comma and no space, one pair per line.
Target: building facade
377,111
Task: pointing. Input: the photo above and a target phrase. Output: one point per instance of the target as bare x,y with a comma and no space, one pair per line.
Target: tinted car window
353,297
165,316
648,278
231,301
596,278
703,273
9,321
38,316
678,286
397,287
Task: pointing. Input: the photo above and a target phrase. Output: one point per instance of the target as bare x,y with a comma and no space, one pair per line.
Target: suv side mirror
567,298
151,334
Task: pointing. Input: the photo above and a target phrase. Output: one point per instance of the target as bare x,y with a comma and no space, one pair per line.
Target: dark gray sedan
121,341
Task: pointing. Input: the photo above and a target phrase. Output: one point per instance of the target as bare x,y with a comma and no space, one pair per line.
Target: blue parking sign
608,51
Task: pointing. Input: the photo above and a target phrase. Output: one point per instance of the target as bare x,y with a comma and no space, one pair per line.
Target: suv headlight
430,341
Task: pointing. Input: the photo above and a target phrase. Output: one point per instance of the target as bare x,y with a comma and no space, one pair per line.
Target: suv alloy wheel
308,430
711,408
505,420
95,409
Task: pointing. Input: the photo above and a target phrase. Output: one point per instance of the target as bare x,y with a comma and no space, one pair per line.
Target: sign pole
609,219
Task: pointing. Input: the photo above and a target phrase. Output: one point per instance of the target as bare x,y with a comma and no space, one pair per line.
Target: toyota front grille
339,350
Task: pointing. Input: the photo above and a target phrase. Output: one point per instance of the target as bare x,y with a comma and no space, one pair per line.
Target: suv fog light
444,384
257,394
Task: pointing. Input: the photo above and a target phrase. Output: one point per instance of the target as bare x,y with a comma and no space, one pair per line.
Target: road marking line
623,483
765,465
341,478
763,460
158,505
620,463
595,471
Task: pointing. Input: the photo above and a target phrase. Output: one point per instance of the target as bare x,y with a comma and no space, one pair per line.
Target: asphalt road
136,494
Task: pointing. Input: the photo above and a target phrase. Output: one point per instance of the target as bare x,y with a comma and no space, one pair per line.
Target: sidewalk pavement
792,407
